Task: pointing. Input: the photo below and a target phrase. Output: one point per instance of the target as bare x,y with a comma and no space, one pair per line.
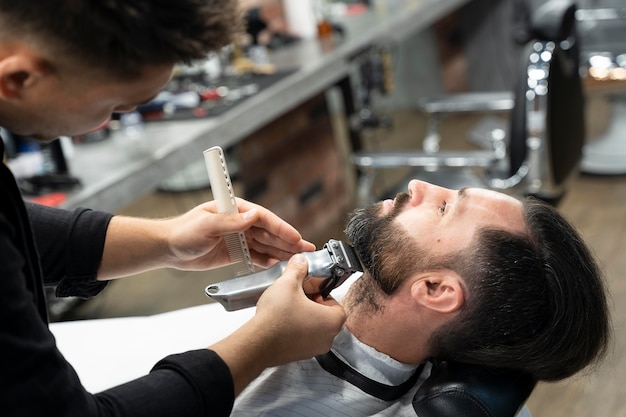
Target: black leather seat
461,390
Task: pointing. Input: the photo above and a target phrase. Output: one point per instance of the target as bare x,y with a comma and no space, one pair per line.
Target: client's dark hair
537,303
122,37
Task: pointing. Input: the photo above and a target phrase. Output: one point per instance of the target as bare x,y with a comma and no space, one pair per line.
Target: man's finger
297,268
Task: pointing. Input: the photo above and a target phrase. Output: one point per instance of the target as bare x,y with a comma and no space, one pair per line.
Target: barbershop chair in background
460,390
602,30
541,149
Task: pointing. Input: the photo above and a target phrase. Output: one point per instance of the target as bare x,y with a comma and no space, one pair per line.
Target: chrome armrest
442,159
601,14
469,102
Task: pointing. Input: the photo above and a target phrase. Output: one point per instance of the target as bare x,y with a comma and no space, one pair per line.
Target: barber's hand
299,327
287,327
196,242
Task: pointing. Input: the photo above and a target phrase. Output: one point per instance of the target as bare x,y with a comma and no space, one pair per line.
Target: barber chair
602,30
541,149
460,390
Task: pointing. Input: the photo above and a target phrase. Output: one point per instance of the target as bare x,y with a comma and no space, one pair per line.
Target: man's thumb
237,222
297,267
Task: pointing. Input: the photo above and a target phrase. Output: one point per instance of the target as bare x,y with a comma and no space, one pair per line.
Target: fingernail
249,214
298,258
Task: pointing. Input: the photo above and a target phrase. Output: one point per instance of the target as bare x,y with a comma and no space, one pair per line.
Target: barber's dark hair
122,37
536,303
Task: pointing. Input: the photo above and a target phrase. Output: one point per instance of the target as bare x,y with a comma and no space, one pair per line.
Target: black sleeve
38,381
70,246
197,383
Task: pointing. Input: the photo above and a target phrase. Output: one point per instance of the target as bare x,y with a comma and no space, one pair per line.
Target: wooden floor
595,204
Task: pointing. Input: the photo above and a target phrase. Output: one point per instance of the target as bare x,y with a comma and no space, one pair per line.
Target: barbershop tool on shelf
224,196
329,267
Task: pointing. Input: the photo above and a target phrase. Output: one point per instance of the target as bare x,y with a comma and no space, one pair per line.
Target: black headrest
455,389
554,20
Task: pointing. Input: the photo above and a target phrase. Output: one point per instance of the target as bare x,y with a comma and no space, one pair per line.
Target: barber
65,66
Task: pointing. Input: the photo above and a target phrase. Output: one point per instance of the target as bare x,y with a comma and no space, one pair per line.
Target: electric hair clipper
329,267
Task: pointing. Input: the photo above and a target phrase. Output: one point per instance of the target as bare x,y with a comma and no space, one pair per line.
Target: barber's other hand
196,242
287,326
299,327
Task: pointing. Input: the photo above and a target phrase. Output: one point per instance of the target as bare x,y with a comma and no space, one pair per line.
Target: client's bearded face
388,252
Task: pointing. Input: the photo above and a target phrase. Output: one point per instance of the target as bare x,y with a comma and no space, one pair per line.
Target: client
471,276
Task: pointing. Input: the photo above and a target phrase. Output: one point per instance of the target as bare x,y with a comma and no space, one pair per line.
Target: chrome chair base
607,154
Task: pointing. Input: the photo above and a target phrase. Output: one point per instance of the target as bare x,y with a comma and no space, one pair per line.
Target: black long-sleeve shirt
41,244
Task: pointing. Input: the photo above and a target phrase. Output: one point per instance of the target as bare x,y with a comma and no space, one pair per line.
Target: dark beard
388,253
362,224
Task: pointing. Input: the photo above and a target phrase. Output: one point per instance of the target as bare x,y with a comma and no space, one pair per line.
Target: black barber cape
42,244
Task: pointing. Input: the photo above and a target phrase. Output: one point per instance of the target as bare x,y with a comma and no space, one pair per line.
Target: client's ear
440,291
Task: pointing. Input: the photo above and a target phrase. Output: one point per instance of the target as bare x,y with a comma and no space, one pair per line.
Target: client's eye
442,207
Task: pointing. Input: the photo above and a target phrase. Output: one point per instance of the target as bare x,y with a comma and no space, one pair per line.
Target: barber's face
72,105
425,224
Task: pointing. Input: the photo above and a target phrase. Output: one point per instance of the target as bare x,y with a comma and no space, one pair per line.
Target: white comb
224,197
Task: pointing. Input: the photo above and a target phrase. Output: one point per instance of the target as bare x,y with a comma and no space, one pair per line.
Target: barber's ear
17,73
439,291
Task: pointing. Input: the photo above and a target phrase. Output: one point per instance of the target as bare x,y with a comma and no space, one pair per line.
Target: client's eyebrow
460,196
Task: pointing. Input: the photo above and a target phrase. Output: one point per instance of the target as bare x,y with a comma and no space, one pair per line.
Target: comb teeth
239,254
224,196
